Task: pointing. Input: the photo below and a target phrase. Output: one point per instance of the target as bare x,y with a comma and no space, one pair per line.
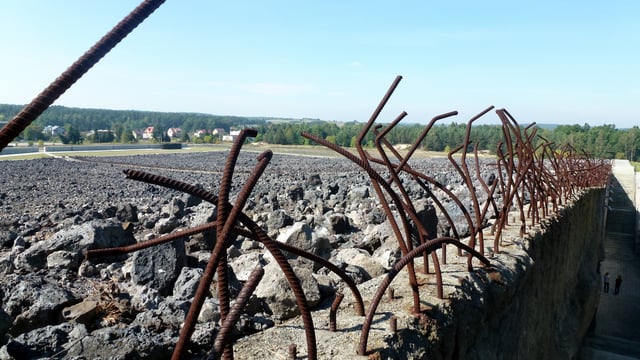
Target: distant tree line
122,123
598,141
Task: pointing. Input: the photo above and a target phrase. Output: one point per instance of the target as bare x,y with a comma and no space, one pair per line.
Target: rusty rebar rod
378,180
61,84
429,246
333,311
234,314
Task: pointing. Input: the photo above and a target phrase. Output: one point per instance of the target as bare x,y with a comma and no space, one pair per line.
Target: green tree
33,132
630,143
185,136
118,130
73,134
127,136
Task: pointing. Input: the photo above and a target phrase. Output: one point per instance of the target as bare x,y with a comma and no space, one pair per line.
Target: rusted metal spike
38,105
234,314
430,246
333,311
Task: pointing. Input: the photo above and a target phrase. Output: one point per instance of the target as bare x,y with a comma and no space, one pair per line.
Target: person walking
616,290
605,281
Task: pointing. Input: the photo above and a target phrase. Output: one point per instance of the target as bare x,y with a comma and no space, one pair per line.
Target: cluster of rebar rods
534,178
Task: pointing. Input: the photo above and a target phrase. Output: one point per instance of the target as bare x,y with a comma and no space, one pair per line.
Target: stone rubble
53,303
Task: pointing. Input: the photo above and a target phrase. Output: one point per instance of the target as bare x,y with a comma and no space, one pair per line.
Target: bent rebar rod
429,246
413,282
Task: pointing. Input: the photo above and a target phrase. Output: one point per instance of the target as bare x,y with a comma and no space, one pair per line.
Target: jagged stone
64,259
159,266
169,315
277,220
127,212
94,235
338,223
130,342
41,343
6,238
301,236
276,293
359,258
187,283
34,302
244,264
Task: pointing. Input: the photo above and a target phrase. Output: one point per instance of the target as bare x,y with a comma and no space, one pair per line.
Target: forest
89,125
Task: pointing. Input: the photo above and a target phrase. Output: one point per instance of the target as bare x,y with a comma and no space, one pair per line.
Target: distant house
137,134
219,132
233,134
200,133
174,132
148,133
53,130
100,136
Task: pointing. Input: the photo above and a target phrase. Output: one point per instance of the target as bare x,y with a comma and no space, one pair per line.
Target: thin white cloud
355,64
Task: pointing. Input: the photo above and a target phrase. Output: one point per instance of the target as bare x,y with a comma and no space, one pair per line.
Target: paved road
617,327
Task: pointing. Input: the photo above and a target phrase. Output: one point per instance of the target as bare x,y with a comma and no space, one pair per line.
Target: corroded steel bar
234,314
375,115
421,183
95,253
218,255
423,134
395,179
226,220
41,102
377,180
430,246
334,309
463,170
294,283
423,234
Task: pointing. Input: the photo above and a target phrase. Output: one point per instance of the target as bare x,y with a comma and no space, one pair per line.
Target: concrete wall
111,147
10,150
541,302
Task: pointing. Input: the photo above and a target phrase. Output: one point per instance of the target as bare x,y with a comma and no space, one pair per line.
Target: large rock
303,237
40,343
6,238
427,216
34,301
358,193
360,258
276,293
94,235
128,342
127,212
159,266
277,220
169,315
338,223
187,283
244,264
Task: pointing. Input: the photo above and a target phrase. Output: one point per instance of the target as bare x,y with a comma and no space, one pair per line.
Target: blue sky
545,61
